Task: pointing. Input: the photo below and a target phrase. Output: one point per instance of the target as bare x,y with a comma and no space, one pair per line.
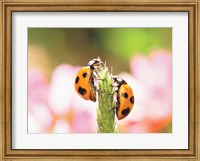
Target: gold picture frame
9,6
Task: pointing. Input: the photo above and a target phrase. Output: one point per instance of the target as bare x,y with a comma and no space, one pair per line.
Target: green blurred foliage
129,41
76,46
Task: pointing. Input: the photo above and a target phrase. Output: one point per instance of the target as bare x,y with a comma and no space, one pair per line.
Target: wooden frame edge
1,82
7,151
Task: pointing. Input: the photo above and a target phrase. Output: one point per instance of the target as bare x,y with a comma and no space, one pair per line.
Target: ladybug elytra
124,98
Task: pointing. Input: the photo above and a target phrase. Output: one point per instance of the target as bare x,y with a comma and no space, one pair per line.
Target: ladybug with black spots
85,79
123,97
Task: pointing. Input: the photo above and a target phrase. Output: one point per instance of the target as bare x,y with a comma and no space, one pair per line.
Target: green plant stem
105,112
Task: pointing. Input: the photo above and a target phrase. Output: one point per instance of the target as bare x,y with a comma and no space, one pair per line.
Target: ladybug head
95,62
118,80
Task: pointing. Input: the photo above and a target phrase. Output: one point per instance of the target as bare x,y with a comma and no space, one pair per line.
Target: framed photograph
82,80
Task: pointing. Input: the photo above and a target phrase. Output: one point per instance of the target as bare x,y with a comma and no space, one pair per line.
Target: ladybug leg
114,86
99,90
116,100
112,93
96,76
114,107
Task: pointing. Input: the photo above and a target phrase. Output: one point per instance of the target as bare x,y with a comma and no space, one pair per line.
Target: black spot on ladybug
77,80
84,75
132,99
125,95
126,111
82,91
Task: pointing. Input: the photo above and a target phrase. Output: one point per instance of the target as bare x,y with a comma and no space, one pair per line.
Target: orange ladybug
85,78
123,97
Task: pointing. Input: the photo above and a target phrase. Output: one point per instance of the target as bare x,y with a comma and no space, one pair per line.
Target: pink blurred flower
84,122
37,87
38,102
57,105
151,81
61,88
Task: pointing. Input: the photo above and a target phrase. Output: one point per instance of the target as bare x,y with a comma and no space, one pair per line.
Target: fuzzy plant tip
105,111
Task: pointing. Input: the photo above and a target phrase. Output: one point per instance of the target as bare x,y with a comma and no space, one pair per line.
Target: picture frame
8,7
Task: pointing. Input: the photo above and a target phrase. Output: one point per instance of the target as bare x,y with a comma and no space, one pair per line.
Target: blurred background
141,56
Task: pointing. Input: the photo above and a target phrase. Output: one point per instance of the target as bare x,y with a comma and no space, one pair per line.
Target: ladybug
123,97
85,79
